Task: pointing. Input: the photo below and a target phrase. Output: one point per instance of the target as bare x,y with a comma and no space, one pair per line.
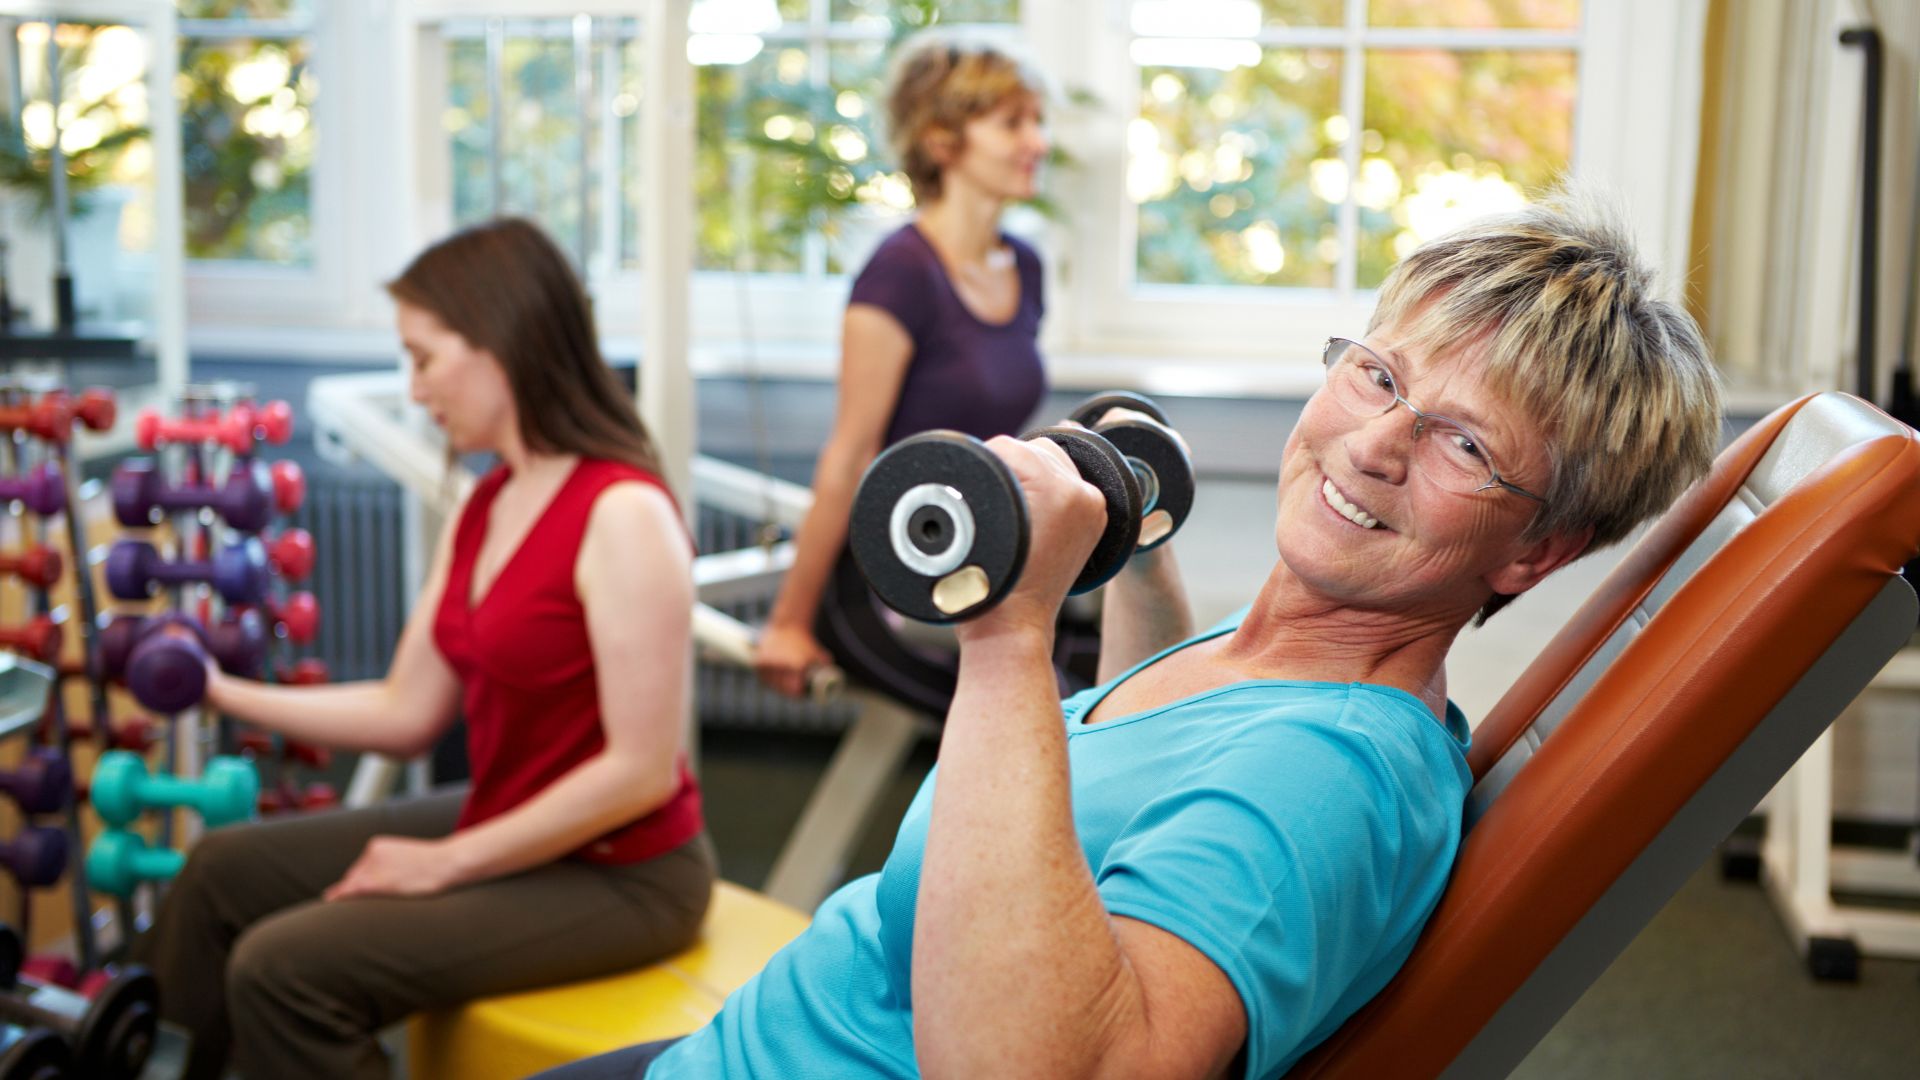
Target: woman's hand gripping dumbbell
164,658
941,530
940,526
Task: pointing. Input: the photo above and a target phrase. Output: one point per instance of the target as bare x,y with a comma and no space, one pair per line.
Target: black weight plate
1096,406
116,1035
12,954
1102,466
1156,447
35,1054
991,494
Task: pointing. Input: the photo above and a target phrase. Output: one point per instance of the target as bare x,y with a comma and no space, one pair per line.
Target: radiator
358,571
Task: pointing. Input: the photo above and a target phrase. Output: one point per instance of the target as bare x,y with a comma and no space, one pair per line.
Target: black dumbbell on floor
33,1054
940,530
1156,455
110,1034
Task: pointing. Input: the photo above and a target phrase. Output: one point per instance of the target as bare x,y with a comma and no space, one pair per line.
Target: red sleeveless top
532,702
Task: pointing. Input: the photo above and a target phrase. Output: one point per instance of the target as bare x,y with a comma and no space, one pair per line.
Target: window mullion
1352,105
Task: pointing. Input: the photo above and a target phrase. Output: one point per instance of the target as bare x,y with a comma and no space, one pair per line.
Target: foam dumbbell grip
36,856
119,861
39,637
41,489
37,565
41,783
290,554
245,500
225,793
238,571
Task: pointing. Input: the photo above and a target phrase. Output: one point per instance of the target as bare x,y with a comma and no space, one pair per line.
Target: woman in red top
557,619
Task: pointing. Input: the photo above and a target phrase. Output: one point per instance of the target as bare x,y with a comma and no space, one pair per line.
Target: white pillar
666,252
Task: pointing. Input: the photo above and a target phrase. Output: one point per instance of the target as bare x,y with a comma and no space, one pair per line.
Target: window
247,92
542,120
1312,143
99,116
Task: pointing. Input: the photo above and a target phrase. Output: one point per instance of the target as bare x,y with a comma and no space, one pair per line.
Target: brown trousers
249,957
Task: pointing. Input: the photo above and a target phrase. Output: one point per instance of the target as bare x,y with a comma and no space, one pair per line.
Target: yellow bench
515,1034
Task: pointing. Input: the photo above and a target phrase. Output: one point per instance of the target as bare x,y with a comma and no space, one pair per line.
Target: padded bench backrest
1721,646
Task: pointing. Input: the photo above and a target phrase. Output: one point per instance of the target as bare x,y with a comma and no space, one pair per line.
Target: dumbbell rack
40,419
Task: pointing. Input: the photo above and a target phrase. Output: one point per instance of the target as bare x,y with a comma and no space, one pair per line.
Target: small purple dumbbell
41,784
238,644
167,667
237,571
41,489
37,856
244,501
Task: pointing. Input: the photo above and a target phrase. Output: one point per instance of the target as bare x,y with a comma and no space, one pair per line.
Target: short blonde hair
941,80
1619,382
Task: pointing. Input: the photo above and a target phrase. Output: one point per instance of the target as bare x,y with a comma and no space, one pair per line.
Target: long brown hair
506,288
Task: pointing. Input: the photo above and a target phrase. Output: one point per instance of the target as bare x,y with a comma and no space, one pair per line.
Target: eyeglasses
1444,451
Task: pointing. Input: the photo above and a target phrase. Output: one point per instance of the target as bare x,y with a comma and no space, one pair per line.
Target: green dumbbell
228,791
118,861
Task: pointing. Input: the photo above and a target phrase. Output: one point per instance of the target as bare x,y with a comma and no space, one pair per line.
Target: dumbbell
36,856
37,564
41,489
119,861
39,637
166,667
109,1031
260,745
50,418
33,1054
1156,455
287,797
238,571
297,618
237,429
290,555
121,789
245,501
41,784
939,526
238,643
95,408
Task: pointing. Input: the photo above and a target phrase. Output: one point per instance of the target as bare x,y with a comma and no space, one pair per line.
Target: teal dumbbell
228,791
118,861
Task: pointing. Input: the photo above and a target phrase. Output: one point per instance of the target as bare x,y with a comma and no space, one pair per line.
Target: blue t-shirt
966,374
1297,833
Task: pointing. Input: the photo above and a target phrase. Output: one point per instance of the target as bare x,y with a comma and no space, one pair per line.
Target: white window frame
1639,72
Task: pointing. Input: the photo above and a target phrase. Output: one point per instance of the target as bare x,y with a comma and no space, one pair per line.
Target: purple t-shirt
967,375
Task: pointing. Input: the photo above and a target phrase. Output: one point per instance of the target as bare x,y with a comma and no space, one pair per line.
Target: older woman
1204,865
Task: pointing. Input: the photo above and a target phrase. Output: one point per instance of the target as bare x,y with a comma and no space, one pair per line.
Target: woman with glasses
1205,864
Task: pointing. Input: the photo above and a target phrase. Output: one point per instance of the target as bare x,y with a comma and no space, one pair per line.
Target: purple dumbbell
37,856
238,571
41,489
245,501
239,644
167,666
42,782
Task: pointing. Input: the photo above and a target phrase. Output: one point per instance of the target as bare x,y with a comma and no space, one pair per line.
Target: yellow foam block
509,1036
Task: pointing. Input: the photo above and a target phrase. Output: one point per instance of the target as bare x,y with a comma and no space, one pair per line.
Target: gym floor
1712,987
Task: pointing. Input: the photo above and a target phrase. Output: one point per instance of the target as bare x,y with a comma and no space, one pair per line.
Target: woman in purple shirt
940,331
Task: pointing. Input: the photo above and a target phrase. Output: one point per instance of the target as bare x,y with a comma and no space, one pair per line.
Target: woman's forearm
345,716
823,532
597,796
1144,610
1012,949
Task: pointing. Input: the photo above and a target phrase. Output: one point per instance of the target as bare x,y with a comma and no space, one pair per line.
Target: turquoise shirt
1297,833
